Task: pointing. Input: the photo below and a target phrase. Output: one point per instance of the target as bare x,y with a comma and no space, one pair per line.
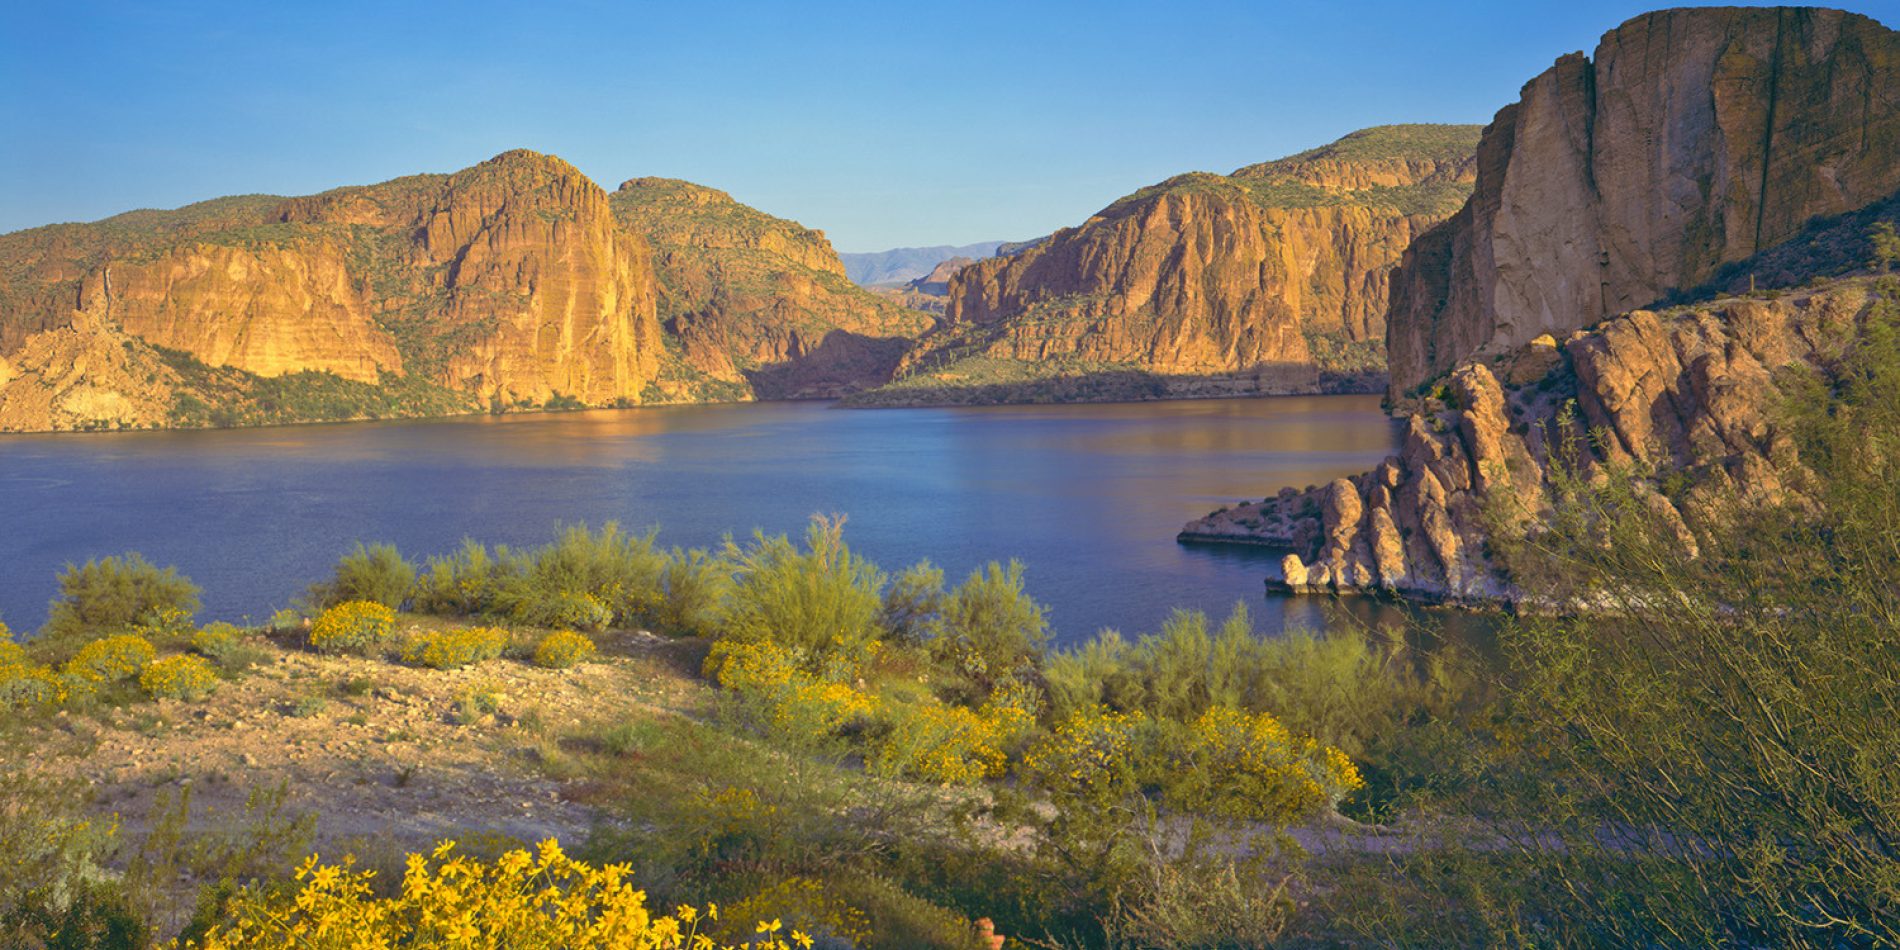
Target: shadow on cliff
841,364
1826,247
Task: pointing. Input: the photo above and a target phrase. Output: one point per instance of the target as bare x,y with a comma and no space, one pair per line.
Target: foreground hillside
1271,279
514,284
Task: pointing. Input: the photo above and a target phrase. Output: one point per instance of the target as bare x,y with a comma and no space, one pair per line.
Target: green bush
696,584
471,582
622,571
576,610
822,600
374,572
990,629
217,641
114,593
913,604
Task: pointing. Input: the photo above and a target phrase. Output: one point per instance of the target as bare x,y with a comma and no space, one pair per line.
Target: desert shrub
990,629
1249,767
790,704
470,582
476,702
217,641
114,593
356,626
113,659
900,920
182,676
820,600
166,625
24,684
563,649
452,649
574,610
913,604
376,573
945,744
620,571
799,904
56,891
696,584
541,900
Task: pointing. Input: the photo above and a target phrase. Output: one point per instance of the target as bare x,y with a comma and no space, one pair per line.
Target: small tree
823,600
375,572
113,593
1886,245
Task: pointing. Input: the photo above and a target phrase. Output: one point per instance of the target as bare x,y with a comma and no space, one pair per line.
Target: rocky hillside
1520,276
517,283
755,305
1691,139
1276,273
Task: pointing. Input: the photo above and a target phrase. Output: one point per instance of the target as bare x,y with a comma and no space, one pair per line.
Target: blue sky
884,123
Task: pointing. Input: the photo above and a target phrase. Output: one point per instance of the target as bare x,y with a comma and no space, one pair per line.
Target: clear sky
884,123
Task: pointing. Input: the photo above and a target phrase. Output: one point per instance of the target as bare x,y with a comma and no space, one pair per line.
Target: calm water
1089,497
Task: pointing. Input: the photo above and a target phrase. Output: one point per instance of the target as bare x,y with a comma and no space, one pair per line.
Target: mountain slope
516,283
758,302
1270,276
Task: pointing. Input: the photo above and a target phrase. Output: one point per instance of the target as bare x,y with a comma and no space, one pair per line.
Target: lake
1089,497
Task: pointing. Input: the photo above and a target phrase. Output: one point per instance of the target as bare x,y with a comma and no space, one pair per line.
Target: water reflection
1088,496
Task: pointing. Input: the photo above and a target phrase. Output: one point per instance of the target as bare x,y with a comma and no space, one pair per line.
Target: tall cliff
1726,163
1691,139
1277,271
758,305
515,283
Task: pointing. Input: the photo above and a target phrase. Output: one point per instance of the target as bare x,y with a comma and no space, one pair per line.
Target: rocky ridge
1275,273
1692,139
517,283
1739,120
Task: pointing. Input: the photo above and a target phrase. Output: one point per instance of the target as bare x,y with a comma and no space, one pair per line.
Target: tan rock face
1687,391
83,376
268,310
1693,138
759,305
549,295
1212,274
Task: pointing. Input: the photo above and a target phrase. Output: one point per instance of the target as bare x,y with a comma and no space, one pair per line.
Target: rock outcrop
757,305
1686,391
517,283
1278,271
1693,138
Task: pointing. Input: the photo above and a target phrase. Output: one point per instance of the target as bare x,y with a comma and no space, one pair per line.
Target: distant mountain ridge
901,265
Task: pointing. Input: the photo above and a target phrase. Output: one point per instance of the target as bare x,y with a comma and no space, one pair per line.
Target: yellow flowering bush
354,626
1089,755
794,703
520,901
164,622
949,745
184,676
216,640
23,683
563,649
798,902
112,659
451,649
1249,766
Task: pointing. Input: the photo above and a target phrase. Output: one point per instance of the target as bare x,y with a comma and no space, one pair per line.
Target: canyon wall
516,283
1692,139
1277,269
